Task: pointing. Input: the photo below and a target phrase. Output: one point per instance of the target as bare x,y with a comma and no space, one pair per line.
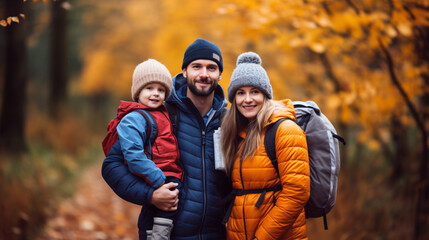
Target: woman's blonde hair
233,123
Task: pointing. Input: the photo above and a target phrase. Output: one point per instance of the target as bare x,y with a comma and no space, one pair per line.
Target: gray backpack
324,156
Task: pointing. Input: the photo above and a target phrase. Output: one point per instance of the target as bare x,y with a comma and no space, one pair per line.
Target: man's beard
201,93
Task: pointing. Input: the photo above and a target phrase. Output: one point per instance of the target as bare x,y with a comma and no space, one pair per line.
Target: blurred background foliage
66,64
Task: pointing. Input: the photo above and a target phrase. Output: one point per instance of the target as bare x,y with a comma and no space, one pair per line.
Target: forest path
94,212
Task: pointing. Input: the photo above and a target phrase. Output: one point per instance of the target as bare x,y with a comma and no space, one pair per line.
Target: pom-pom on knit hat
249,72
202,49
150,71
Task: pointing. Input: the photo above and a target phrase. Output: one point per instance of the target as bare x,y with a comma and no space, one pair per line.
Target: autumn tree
12,119
58,65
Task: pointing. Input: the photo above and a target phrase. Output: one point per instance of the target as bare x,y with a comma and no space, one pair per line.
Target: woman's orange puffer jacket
286,218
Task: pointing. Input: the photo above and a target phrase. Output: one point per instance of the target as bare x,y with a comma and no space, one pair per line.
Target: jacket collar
126,107
283,109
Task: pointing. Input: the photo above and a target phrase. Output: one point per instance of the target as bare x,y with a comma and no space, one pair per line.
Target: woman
280,200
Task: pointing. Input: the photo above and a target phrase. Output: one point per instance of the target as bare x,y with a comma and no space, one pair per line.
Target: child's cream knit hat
150,71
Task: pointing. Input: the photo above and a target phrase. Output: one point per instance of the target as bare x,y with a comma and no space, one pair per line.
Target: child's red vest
165,151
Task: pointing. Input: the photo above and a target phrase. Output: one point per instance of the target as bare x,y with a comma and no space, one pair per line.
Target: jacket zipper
244,200
203,149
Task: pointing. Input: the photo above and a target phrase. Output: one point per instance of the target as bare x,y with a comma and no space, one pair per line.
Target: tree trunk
12,121
422,211
422,208
58,69
400,151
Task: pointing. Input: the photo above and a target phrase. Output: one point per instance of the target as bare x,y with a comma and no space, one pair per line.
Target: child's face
152,95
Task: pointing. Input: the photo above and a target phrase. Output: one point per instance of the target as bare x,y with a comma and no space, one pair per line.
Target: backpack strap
270,143
174,117
240,192
152,130
341,139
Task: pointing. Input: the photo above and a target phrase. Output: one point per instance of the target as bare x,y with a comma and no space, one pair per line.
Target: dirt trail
94,212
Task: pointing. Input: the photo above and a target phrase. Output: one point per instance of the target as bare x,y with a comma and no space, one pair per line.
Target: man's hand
165,199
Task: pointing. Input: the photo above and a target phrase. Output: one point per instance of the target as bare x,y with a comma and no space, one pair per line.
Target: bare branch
357,11
328,68
400,88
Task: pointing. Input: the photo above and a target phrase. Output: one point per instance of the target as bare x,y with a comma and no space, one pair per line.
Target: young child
151,85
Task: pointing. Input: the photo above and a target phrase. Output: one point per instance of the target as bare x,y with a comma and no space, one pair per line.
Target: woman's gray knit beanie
249,72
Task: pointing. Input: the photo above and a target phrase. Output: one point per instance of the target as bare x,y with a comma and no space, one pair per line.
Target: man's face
203,76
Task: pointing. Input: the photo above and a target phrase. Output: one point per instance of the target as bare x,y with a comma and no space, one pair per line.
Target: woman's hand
165,199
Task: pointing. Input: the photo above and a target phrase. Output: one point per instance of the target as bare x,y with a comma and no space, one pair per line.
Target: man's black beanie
202,49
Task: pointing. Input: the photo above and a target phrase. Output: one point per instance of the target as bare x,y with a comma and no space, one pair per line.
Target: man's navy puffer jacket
200,213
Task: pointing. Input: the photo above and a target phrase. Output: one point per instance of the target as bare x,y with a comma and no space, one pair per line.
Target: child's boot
149,235
161,228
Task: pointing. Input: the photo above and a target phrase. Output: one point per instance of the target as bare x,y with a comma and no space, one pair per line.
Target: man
195,104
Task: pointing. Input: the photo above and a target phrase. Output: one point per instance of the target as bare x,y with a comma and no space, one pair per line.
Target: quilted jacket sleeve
126,185
132,138
291,148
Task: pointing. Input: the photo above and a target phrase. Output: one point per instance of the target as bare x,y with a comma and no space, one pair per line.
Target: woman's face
249,101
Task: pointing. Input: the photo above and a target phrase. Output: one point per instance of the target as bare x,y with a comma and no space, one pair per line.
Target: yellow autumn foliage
326,51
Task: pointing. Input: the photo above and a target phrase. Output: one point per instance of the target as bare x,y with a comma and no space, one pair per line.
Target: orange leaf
3,23
317,47
15,19
405,29
9,20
